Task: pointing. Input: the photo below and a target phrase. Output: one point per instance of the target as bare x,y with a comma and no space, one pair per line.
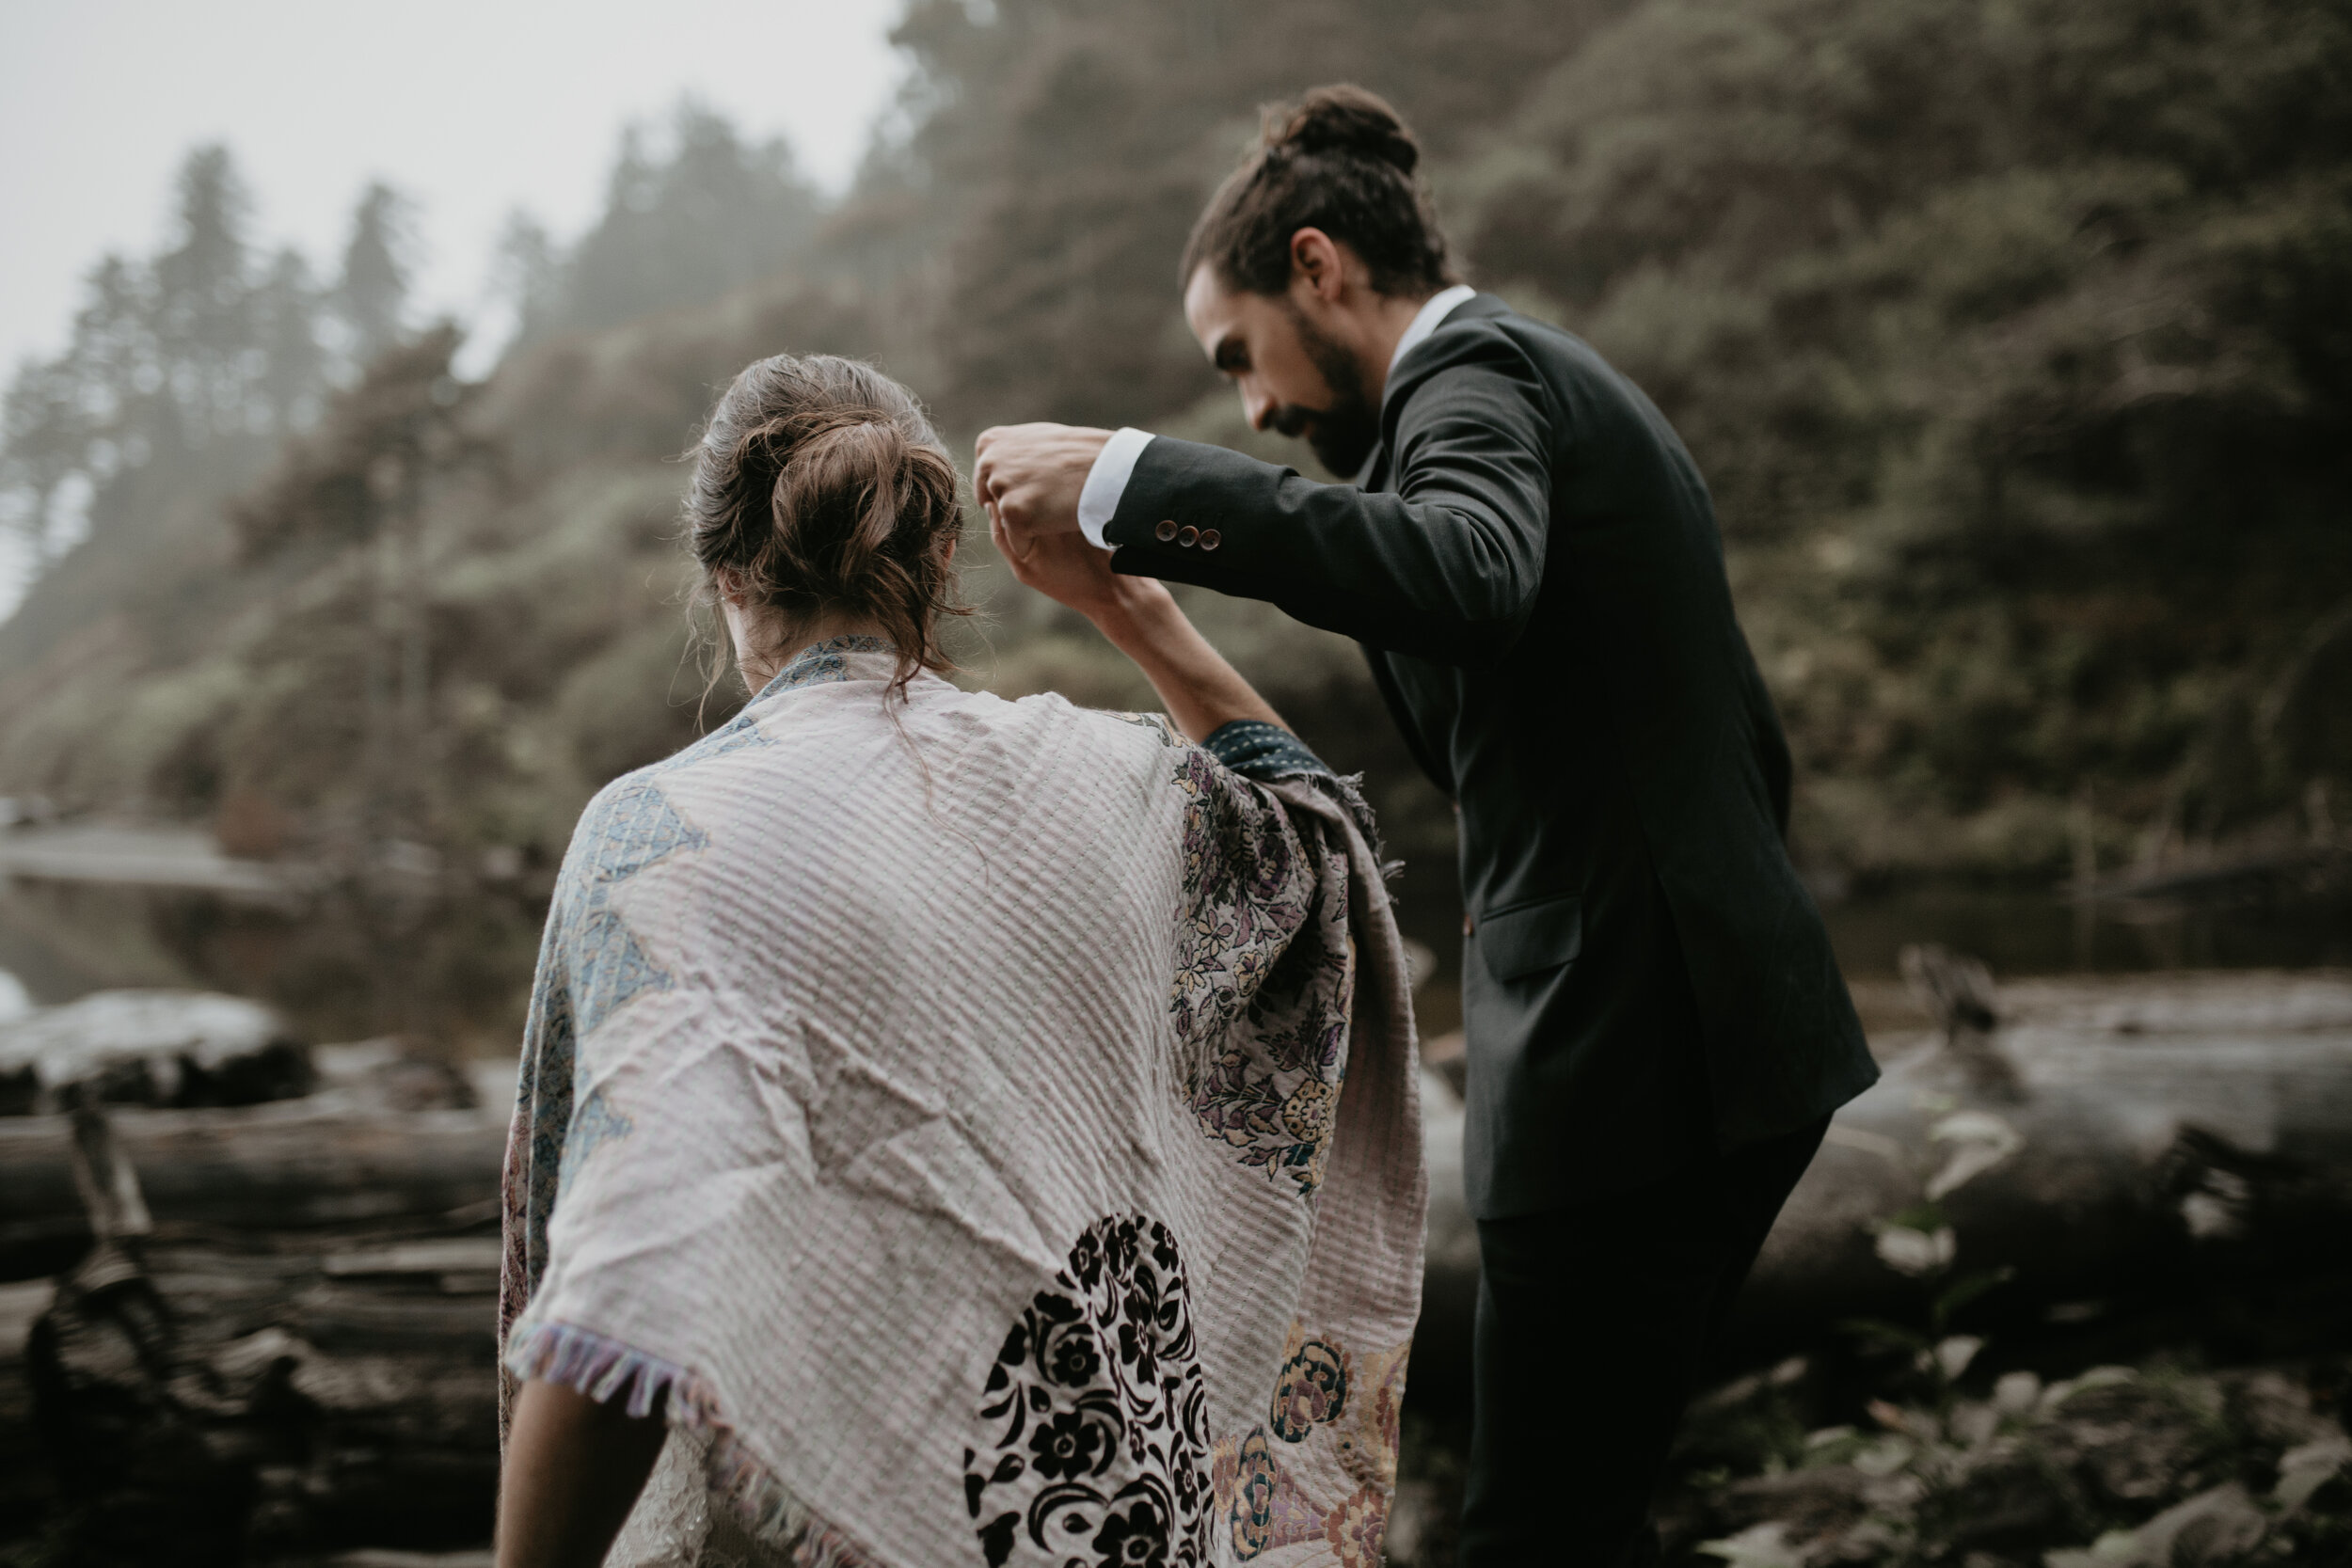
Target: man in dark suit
1656,1029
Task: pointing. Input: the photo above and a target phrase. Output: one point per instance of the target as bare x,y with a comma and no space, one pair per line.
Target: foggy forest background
2015,340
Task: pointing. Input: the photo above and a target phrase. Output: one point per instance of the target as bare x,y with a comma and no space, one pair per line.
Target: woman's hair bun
821,489
1343,118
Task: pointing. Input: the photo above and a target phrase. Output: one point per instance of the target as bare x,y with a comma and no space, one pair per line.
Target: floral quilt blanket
987,1131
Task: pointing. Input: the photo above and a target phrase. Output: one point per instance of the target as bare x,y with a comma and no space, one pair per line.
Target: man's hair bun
1343,118
1339,160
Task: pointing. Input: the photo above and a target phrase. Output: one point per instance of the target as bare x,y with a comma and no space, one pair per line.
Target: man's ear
1316,258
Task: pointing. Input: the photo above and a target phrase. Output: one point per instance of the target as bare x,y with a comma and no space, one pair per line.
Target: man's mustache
1295,420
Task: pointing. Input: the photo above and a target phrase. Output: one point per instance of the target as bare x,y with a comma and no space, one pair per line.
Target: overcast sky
471,108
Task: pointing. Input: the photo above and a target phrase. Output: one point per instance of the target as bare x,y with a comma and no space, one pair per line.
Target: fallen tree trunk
334,1159
209,1400
2134,1138
2129,1138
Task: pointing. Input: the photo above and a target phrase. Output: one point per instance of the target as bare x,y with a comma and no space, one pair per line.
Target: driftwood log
273,1336
207,1396
2102,1140
2113,1142
392,1140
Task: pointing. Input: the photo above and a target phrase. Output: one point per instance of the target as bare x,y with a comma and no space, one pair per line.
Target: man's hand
1030,477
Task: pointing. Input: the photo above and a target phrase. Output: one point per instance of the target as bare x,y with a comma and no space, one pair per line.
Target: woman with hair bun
953,1130
1657,1030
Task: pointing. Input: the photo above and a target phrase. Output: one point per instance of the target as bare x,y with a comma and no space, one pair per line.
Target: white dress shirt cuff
1106,482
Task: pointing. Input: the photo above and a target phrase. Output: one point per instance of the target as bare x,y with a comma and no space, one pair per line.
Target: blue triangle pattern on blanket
734,735
628,827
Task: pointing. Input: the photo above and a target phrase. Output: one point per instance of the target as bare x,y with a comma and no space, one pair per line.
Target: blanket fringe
602,1368
605,1370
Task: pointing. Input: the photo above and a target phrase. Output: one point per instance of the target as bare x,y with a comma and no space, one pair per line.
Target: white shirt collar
1433,310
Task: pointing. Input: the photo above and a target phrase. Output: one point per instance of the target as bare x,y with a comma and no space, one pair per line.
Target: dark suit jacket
1532,562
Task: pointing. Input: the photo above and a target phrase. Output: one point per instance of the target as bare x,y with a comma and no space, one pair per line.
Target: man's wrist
1106,482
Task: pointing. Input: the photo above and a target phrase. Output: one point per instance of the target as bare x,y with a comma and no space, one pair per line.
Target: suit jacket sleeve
1446,567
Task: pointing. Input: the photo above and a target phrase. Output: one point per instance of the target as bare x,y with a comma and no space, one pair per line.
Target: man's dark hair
1339,160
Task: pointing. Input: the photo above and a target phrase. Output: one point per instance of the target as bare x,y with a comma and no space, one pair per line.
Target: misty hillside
2016,342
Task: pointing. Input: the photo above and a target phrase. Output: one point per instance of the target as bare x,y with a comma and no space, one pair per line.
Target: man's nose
1259,407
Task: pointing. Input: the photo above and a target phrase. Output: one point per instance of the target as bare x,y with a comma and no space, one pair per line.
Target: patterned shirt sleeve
1264,972
1263,752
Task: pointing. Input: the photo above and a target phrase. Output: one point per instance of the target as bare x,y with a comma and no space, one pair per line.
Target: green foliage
2014,341
2116,1468
2013,338
1074,142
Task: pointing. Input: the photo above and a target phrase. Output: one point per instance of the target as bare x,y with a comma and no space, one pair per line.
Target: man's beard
1343,433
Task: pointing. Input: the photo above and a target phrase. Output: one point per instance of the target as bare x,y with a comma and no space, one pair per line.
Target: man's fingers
1004,540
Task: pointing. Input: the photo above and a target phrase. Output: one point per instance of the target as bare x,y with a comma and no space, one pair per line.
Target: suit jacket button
1166,531
1211,539
1470,926
1187,536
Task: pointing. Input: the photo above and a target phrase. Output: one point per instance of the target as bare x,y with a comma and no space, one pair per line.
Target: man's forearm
1446,566
1202,693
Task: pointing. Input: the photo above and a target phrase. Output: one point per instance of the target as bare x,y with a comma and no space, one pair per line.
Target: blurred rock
393,1074
160,1048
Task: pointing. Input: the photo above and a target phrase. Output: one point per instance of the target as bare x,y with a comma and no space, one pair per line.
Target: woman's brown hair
1339,160
822,485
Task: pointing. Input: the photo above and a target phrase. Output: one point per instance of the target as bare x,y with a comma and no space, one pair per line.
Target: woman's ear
730,585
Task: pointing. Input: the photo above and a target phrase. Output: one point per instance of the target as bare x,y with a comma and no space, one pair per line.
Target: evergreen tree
202,319
292,375
527,275
44,437
715,214
373,290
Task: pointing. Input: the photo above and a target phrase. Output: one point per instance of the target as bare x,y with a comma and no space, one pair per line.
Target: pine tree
202,319
373,291
43,436
292,376
529,276
718,214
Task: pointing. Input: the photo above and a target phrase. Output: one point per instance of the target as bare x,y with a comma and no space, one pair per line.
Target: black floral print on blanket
1099,1451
